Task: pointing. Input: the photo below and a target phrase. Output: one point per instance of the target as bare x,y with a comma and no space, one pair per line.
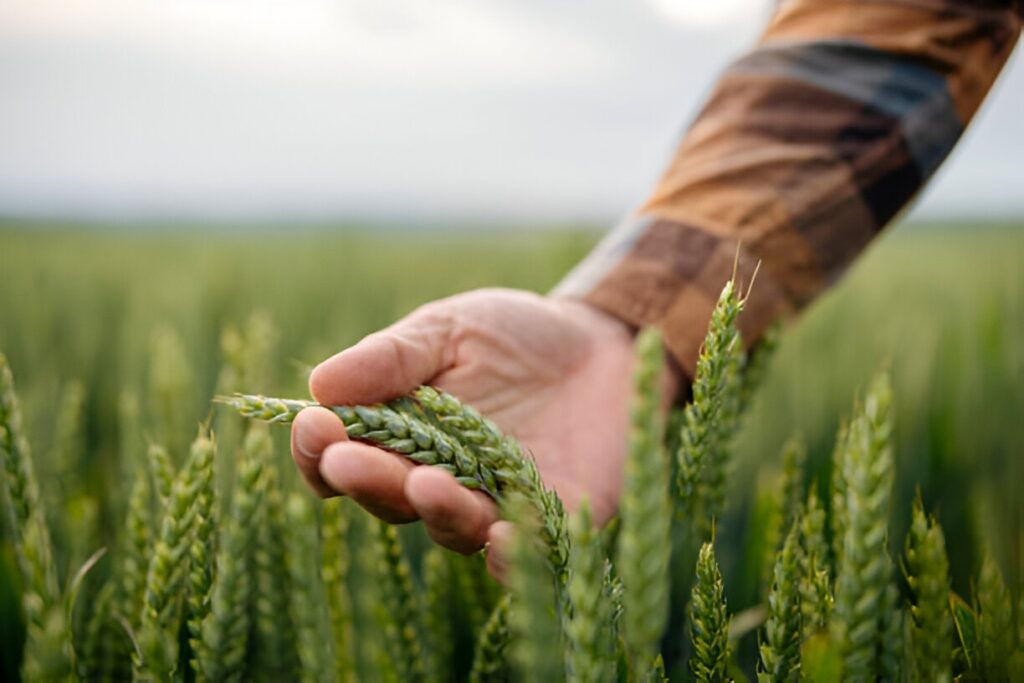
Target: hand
556,374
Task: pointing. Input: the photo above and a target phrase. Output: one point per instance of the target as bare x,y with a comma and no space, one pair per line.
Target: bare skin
554,373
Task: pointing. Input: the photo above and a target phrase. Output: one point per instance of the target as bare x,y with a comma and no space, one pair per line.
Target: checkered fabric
808,147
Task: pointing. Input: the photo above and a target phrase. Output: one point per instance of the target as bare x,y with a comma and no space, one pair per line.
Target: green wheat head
780,646
645,511
794,460
432,430
589,630
995,622
536,650
401,605
815,582
139,540
838,493
273,633
503,468
867,611
221,626
157,655
47,652
927,572
489,657
709,621
307,606
335,573
439,596
710,420
204,536
476,592
161,469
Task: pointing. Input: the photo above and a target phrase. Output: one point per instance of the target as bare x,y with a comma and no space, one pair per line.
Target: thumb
389,363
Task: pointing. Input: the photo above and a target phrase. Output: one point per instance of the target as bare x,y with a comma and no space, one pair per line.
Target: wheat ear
308,602
866,606
157,656
221,626
47,652
815,584
710,419
709,621
273,632
589,631
995,621
201,553
489,661
335,572
780,647
401,605
646,512
927,572
536,649
439,594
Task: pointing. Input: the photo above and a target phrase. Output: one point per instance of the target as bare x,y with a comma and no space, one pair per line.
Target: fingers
386,364
455,517
373,478
499,539
396,490
313,431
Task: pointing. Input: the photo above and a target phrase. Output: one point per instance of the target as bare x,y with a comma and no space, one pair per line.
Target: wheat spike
504,468
815,584
308,606
161,469
401,605
794,458
475,591
995,621
221,639
275,656
710,419
838,494
201,560
589,631
47,651
334,572
709,621
157,656
646,512
866,606
439,594
780,647
489,661
535,649
428,432
927,572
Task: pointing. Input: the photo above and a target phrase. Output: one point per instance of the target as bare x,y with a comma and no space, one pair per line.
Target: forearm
806,149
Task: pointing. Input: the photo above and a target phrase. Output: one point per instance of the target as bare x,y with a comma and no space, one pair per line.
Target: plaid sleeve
808,146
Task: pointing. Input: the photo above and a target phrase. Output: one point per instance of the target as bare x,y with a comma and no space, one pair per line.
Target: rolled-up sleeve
808,146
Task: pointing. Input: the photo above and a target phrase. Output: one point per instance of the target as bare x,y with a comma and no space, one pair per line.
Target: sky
550,111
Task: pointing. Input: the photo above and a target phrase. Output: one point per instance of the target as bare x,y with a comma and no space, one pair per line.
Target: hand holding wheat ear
555,374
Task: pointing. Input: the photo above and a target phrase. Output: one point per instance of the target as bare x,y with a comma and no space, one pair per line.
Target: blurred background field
149,318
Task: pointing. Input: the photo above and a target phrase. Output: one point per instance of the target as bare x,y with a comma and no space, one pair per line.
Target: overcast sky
549,110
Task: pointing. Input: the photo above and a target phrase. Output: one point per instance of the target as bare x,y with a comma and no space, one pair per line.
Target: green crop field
118,339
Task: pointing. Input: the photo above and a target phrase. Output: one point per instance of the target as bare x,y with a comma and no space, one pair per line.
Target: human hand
555,374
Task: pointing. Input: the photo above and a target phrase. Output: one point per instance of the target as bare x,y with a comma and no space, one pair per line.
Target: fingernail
304,449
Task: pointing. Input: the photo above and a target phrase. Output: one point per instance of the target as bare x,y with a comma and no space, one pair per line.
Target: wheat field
119,339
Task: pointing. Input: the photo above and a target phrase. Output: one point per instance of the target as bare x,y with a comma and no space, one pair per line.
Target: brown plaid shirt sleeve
809,145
